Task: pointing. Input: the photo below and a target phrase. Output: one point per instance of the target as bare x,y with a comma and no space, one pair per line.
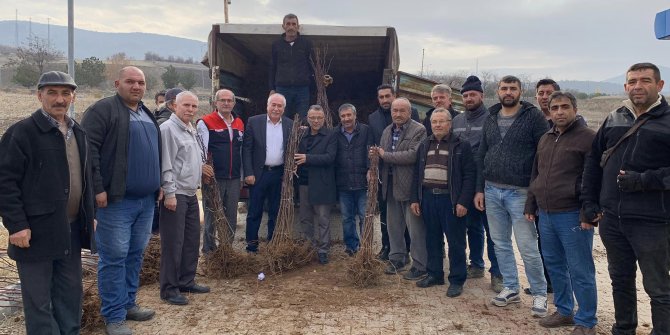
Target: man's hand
461,211
160,194
327,80
587,226
629,181
380,152
530,217
170,203
300,159
21,238
250,180
101,200
591,212
416,209
479,201
207,173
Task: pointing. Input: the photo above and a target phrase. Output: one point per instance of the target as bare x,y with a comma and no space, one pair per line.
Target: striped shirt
437,164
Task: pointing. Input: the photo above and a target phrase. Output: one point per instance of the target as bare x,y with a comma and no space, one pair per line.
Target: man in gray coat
398,146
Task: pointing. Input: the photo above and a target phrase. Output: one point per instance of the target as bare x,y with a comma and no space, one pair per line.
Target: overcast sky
562,39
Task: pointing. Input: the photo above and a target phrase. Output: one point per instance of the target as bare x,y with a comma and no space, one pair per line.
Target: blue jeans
352,204
123,231
478,227
504,209
297,100
567,255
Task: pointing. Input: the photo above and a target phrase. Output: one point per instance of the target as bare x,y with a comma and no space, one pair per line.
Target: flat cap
171,94
56,78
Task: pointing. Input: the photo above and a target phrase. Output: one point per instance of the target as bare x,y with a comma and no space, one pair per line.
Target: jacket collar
652,110
571,126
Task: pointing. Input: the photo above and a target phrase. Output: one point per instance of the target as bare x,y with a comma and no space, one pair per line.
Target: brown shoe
557,320
581,330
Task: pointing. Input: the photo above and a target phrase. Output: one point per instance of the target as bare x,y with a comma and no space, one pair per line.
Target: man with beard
504,163
125,157
468,127
379,120
626,187
543,90
441,97
290,67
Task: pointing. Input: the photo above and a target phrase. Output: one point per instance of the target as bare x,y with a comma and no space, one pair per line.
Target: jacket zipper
551,163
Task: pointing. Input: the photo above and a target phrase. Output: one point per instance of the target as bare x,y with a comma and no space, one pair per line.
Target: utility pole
70,47
225,9
423,55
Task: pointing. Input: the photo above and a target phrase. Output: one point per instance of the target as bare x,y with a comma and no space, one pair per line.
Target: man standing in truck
290,67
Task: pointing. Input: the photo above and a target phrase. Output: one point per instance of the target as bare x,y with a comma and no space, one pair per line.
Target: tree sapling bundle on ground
365,269
151,262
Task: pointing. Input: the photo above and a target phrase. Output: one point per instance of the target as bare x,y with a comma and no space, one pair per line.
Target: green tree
90,72
31,60
170,77
187,79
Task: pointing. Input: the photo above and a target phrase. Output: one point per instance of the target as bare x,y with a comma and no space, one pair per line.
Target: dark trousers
268,187
180,241
383,223
440,220
52,292
648,245
479,238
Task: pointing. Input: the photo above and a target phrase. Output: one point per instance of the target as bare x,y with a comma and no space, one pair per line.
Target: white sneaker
505,297
539,309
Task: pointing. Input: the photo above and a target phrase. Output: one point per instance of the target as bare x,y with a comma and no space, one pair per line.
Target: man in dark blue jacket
290,67
351,166
626,187
442,190
316,177
40,157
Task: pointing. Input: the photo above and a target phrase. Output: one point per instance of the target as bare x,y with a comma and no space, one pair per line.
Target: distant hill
620,79
593,86
104,44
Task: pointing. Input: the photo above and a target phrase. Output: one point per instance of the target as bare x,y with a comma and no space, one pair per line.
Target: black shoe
195,289
526,290
429,281
384,253
415,274
395,267
323,258
454,290
179,300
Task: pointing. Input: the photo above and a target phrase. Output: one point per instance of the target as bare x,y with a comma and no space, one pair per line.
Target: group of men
475,177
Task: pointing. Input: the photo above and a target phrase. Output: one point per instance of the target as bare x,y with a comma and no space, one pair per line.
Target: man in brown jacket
554,195
398,147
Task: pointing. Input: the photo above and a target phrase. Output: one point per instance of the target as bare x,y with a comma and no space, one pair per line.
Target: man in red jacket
221,133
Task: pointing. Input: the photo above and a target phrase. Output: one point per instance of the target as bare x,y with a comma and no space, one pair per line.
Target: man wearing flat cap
46,204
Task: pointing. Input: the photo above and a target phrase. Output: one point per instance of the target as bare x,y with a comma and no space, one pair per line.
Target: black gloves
590,212
630,181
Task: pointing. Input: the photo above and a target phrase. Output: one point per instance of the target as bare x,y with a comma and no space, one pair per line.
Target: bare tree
31,60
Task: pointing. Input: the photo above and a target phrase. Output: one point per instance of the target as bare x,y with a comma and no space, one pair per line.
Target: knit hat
171,94
472,83
56,78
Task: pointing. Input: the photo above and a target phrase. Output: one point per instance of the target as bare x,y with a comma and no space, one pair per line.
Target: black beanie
472,84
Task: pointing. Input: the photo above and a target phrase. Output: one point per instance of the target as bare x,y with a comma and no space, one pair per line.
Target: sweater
181,168
509,160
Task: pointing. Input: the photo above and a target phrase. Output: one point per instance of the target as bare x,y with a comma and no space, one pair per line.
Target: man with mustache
125,157
40,157
504,164
626,188
290,67
181,170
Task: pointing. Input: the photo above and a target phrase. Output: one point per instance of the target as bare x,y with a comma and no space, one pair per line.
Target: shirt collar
270,121
68,122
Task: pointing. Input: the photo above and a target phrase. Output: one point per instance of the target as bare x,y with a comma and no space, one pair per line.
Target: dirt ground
317,299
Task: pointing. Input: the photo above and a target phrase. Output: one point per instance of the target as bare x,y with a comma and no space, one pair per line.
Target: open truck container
361,58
